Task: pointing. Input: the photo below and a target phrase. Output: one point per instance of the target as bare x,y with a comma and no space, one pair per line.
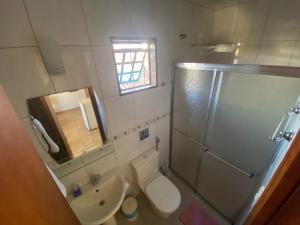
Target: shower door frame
282,71
272,205
202,146
267,70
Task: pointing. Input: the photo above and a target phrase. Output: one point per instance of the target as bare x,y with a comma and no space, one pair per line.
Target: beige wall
83,29
268,31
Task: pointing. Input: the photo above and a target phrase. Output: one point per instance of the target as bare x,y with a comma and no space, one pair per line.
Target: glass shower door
244,112
191,98
245,109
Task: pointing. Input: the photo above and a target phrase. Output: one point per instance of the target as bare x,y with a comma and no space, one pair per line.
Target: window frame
151,71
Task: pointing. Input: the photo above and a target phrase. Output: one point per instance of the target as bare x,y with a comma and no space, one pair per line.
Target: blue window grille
130,69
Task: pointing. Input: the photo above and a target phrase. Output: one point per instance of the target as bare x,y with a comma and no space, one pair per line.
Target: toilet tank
145,167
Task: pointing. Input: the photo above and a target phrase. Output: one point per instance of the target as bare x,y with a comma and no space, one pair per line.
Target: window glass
134,59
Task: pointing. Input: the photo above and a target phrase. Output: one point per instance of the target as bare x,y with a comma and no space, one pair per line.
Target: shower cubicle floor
148,217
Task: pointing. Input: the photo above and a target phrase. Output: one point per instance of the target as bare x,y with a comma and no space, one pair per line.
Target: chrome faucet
95,178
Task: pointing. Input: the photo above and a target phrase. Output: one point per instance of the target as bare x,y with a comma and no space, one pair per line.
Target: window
135,62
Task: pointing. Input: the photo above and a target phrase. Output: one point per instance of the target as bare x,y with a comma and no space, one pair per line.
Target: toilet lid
163,194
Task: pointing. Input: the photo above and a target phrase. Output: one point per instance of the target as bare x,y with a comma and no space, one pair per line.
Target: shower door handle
279,133
276,136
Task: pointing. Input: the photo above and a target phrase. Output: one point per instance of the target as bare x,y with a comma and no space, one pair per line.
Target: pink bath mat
194,214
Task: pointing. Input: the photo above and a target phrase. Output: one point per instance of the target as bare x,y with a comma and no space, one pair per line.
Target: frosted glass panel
185,156
233,115
191,99
246,110
224,187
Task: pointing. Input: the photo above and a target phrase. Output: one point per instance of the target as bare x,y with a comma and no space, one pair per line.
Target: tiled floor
79,138
148,217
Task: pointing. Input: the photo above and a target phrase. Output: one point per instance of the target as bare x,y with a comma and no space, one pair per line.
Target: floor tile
148,217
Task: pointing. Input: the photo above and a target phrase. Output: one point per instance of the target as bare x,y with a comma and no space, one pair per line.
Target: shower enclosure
222,118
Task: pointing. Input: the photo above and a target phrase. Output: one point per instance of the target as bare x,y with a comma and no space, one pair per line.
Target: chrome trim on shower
282,71
215,82
187,136
205,149
276,137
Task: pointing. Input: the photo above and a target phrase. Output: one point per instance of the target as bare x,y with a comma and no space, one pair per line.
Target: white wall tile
108,163
163,100
14,25
202,25
140,16
79,177
283,21
163,133
120,113
144,105
223,25
199,54
246,54
251,19
219,4
106,70
220,57
264,26
23,76
275,53
183,22
164,63
181,53
206,3
163,20
106,18
62,19
126,149
102,166
80,69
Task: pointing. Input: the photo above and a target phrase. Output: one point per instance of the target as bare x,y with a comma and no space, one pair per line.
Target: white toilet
163,194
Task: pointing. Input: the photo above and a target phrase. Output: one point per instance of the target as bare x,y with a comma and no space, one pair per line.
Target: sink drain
101,203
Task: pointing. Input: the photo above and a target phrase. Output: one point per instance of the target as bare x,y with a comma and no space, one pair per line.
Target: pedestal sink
98,204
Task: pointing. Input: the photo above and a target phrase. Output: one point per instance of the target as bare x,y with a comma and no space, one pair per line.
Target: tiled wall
83,29
268,31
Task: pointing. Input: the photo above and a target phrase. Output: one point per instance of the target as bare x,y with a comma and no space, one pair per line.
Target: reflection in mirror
68,124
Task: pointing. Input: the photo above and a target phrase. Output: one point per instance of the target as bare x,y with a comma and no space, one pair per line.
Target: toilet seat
163,194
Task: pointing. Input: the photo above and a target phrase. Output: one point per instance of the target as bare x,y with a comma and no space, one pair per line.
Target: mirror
68,124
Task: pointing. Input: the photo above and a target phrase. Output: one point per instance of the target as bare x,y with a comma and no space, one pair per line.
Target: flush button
144,134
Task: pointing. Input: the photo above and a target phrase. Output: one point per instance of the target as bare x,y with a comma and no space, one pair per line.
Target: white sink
98,204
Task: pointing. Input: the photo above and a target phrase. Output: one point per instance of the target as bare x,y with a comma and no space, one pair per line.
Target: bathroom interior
149,112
